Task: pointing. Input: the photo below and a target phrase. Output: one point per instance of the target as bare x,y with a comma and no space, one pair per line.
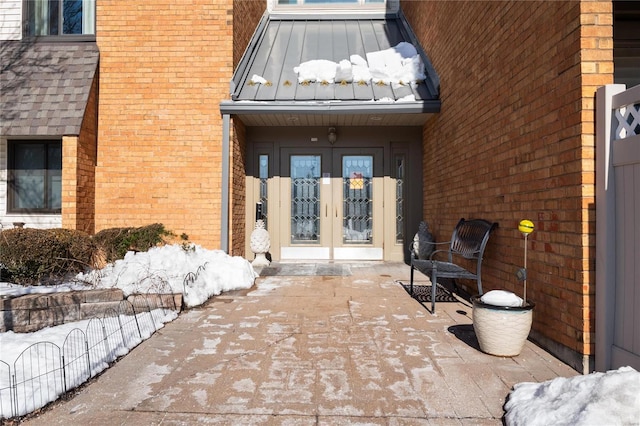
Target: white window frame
301,6
329,3
41,10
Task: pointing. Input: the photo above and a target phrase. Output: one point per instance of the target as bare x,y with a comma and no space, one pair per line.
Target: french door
325,202
331,203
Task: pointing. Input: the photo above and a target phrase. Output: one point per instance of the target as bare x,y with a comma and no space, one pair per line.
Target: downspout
224,216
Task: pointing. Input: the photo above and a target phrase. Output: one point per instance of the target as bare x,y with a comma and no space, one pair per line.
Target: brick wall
163,70
238,190
69,195
514,140
597,70
246,16
78,171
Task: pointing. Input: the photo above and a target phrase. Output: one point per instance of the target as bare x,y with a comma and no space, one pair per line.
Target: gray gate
617,227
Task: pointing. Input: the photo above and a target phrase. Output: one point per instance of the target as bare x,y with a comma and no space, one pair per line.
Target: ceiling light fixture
332,135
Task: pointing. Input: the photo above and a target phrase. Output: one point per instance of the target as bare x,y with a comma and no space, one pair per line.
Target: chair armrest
437,251
474,253
412,252
469,256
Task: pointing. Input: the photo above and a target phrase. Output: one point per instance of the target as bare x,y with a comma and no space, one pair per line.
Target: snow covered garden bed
37,367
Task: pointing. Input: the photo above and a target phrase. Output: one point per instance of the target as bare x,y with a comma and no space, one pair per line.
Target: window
264,187
60,17
35,177
400,171
330,2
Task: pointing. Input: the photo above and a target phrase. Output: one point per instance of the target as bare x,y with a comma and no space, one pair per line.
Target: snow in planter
501,298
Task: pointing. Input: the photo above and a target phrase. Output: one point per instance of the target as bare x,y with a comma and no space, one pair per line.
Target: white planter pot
501,331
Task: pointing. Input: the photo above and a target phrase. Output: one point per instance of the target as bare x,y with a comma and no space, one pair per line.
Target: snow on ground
36,370
164,269
160,270
611,398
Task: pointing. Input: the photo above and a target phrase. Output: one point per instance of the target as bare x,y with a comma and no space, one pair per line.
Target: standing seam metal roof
282,43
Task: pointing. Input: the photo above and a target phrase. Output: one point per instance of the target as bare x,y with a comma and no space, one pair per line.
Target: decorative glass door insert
325,202
305,199
335,209
263,176
357,207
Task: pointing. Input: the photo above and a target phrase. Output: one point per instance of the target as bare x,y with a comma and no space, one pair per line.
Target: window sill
70,38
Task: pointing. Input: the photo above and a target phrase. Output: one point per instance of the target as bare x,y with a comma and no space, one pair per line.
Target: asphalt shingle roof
44,87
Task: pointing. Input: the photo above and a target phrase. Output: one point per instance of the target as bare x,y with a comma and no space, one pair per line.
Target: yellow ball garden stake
526,227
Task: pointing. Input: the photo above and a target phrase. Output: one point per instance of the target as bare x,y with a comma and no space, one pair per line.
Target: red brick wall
78,180
246,16
238,190
514,140
164,69
597,70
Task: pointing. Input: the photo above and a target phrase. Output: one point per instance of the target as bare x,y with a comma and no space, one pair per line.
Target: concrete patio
348,348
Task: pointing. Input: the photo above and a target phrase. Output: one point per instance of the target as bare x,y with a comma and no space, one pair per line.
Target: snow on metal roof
277,70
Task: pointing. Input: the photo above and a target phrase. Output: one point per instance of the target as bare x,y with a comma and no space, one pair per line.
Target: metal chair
468,241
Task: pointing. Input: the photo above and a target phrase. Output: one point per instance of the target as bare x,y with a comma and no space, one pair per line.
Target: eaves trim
330,107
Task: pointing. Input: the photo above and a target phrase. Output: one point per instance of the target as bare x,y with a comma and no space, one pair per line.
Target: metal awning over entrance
267,91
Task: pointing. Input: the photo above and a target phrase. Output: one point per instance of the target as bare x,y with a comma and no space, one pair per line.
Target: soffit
44,86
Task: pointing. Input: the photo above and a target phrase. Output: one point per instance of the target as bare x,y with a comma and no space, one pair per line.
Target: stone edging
32,312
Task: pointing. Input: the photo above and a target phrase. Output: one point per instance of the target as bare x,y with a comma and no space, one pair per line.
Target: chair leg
411,281
434,285
455,286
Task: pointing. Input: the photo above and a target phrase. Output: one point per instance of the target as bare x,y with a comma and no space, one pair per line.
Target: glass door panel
330,202
305,199
399,165
306,203
357,205
396,188
358,195
263,188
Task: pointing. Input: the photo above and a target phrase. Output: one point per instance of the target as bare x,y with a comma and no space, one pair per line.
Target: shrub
114,243
37,256
46,256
